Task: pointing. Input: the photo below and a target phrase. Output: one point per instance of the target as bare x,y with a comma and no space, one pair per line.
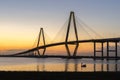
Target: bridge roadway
70,42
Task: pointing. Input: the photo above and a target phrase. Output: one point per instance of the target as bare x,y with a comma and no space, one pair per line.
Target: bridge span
107,40
76,42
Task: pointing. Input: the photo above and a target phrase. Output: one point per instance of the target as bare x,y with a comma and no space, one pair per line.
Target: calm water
57,64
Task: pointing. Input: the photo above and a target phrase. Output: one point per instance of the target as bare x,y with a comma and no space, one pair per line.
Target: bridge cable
61,34
89,28
79,25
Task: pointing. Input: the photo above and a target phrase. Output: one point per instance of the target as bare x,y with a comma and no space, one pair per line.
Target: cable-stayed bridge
35,52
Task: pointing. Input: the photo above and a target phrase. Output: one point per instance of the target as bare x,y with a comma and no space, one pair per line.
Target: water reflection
113,67
71,66
64,65
76,65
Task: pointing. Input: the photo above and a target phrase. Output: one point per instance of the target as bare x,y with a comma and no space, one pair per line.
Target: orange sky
19,25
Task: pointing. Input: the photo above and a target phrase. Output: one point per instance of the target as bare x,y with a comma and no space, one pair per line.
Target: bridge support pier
67,48
38,52
95,50
41,33
102,49
109,50
116,49
72,16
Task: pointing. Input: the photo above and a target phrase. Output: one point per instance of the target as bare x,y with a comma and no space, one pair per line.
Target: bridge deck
70,42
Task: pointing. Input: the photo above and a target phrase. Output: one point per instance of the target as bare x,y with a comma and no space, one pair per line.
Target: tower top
72,12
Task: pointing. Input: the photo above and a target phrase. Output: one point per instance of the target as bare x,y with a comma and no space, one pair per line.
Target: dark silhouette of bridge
76,42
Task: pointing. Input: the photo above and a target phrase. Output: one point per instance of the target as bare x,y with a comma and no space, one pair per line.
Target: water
57,64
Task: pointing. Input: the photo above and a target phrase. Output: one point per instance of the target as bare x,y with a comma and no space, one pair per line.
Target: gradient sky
20,20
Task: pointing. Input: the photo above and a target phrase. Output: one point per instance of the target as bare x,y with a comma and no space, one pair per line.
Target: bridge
34,52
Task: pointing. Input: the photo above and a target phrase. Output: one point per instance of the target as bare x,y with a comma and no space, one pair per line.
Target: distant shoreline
32,75
66,57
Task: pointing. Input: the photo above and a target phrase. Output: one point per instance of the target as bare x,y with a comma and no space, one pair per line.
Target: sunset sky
20,20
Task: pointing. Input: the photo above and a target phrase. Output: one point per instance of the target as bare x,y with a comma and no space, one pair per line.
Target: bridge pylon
41,35
72,16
